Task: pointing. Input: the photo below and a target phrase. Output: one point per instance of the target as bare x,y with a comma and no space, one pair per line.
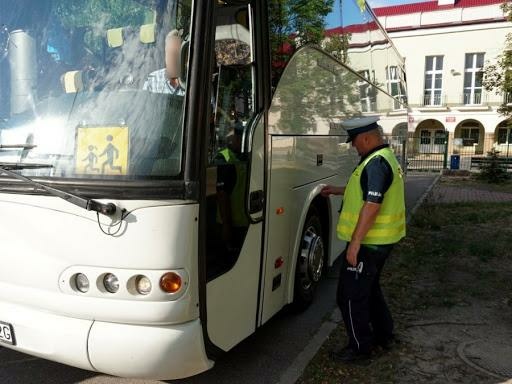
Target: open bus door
235,182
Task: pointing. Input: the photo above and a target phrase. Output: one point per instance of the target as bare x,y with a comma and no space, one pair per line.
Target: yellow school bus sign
102,151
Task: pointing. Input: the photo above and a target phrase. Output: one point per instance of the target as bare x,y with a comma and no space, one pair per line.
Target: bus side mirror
185,48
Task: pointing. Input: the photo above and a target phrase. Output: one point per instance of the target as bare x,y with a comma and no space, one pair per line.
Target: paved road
416,185
262,358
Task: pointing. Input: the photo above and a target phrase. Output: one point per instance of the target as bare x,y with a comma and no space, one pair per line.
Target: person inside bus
166,80
372,220
231,180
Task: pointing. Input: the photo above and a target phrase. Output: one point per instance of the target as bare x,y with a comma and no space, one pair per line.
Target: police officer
231,184
372,220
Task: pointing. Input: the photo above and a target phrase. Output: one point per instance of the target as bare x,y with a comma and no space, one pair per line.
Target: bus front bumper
148,352
46,335
136,351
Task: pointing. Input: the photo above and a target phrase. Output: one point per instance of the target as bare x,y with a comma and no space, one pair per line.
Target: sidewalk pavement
452,194
417,188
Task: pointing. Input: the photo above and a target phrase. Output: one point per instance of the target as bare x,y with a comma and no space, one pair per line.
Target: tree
498,76
112,13
337,45
492,170
308,19
293,24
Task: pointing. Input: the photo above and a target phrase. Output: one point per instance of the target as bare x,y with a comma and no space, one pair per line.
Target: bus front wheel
310,260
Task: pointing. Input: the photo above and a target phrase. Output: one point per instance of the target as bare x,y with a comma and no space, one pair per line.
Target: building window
425,137
439,137
433,80
367,92
505,136
394,77
470,136
473,75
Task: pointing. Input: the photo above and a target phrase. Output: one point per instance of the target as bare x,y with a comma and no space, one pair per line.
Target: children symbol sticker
112,154
91,160
102,151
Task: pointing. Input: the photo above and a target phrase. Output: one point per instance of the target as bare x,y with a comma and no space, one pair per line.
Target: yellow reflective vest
237,197
389,226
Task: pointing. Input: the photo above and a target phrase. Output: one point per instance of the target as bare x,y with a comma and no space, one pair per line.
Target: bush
492,170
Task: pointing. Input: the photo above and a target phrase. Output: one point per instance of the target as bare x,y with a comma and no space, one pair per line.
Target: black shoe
348,355
387,343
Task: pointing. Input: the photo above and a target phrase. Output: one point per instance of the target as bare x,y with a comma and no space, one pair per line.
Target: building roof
430,6
354,28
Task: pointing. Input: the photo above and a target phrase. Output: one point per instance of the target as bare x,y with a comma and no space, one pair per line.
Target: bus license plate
7,333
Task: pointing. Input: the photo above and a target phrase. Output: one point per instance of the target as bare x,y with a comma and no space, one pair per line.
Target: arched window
504,133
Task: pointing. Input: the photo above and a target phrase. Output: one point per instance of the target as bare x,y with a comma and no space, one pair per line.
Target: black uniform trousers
365,312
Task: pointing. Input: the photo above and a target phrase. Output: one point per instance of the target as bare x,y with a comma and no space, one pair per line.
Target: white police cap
358,125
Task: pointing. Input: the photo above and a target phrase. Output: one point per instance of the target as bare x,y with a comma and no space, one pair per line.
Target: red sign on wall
450,119
411,119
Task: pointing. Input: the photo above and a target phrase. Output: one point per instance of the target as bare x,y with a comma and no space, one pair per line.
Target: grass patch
453,254
454,245
435,216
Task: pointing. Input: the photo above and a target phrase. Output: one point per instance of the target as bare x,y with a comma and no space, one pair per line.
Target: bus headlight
170,282
111,283
81,282
143,285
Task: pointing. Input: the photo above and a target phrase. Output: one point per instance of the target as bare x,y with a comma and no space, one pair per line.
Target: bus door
234,181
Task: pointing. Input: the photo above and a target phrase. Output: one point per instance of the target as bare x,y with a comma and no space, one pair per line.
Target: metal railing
472,99
433,100
422,153
425,153
400,103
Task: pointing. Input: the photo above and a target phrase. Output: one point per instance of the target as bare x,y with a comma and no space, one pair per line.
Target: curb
422,199
296,369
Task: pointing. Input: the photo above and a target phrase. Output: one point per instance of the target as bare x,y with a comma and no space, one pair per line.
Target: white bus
156,210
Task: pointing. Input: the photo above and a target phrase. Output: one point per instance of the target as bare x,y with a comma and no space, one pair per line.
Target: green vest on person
237,197
389,226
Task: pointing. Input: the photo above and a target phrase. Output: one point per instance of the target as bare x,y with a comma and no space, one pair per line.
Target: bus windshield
93,89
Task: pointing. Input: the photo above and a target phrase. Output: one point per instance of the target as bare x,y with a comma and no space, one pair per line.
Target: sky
352,13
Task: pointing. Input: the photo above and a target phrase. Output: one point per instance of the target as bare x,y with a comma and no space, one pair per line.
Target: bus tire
310,260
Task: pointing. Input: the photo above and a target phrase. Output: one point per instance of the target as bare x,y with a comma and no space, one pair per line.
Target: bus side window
232,110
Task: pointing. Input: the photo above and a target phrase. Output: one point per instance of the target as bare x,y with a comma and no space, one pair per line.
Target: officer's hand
331,190
352,251
326,191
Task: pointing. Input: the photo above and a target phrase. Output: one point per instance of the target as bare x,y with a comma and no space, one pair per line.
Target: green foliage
493,171
498,76
337,45
321,86
294,23
106,13
94,17
304,20
307,17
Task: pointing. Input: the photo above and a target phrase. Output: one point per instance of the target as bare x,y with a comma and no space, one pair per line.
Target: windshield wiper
88,204
15,166
14,146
